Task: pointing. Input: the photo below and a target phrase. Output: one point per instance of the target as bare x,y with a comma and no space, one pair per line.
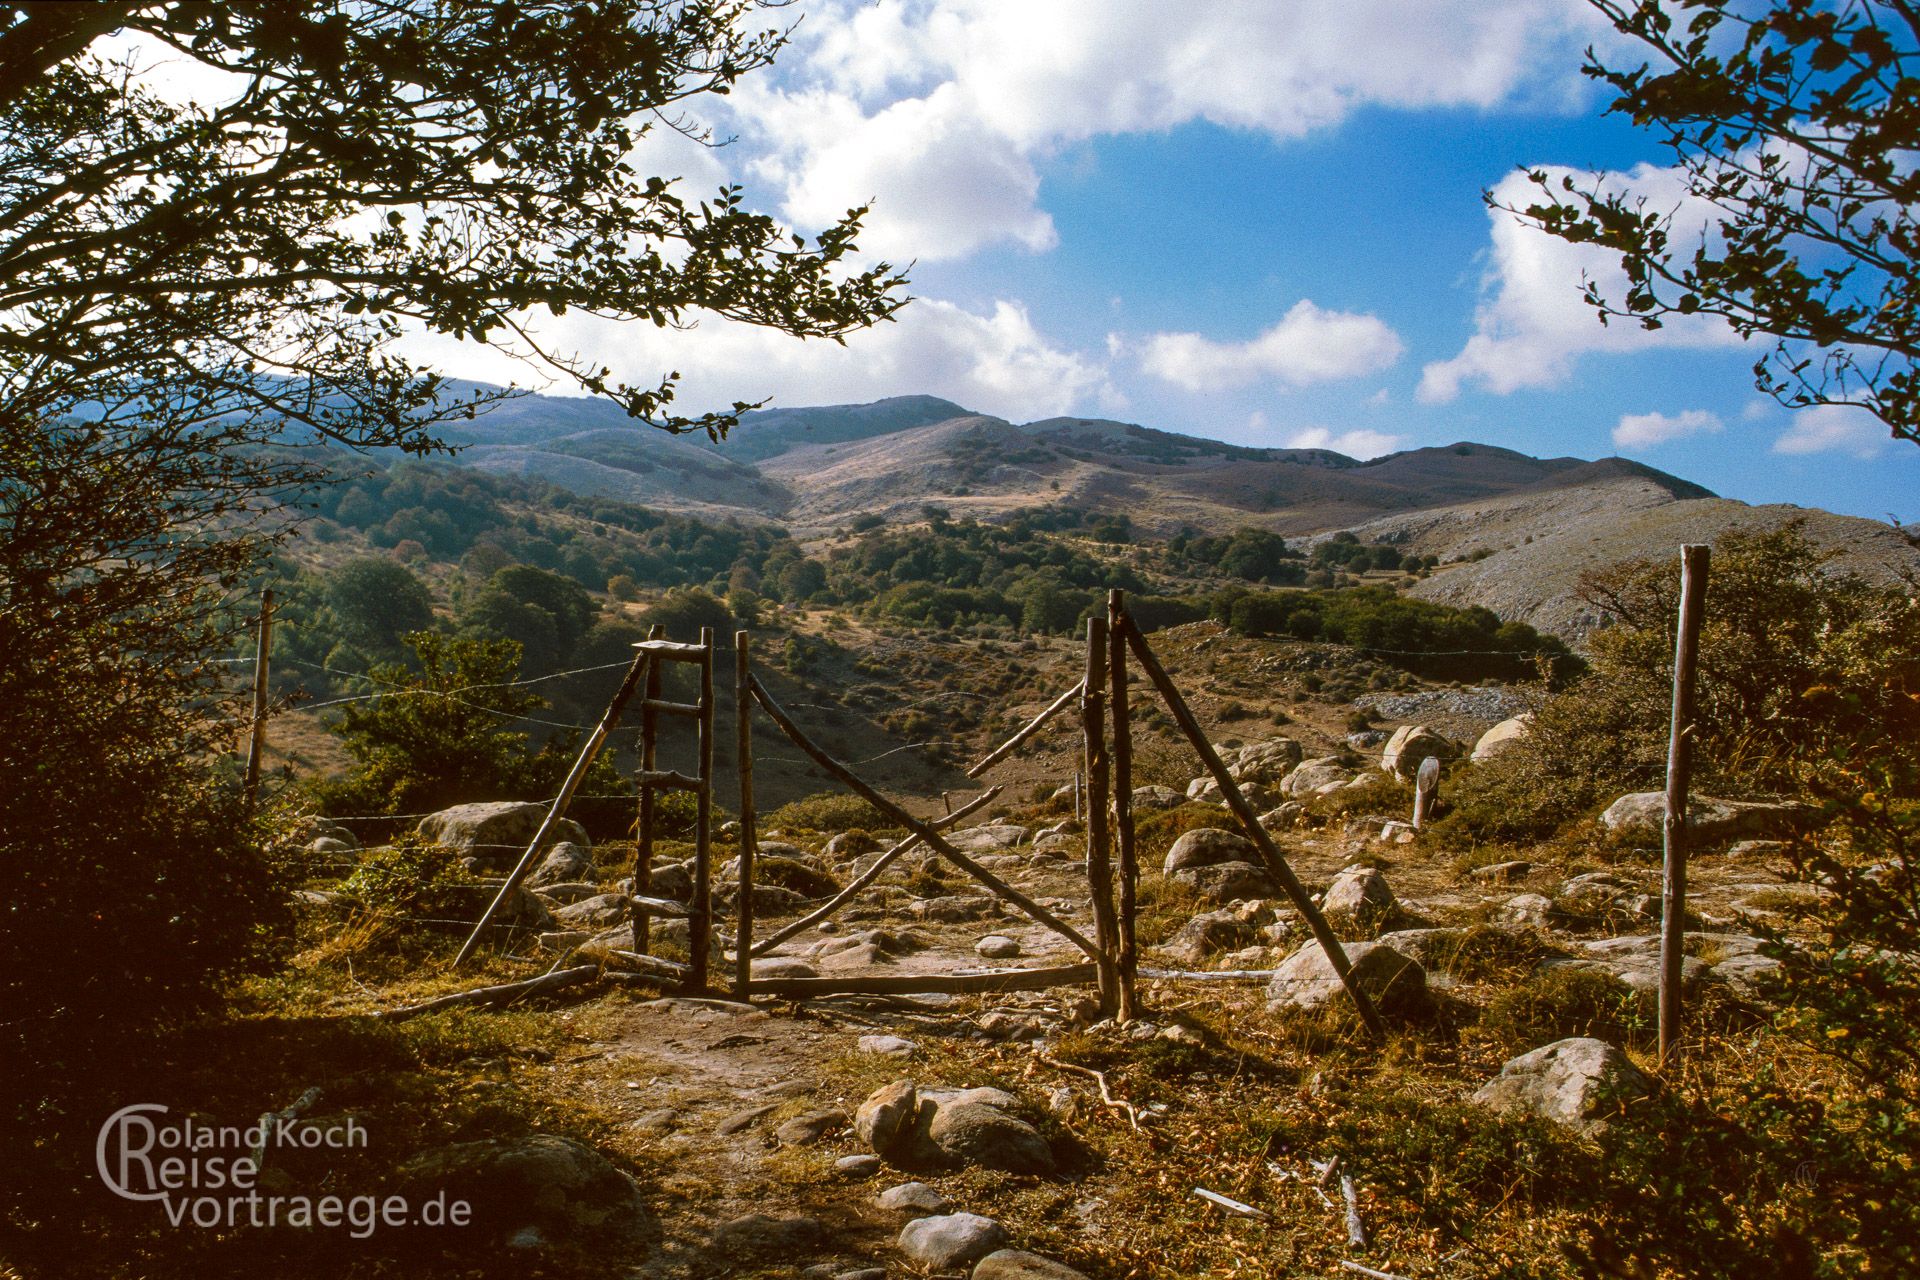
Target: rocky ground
1019,1135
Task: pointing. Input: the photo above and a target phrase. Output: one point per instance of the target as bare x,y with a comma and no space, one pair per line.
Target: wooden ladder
698,913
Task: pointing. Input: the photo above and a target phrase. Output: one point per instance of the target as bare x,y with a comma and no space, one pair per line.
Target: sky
1259,222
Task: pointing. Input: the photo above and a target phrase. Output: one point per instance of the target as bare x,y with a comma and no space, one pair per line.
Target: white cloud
1833,428
996,362
1644,430
1532,324
1308,345
1358,443
939,109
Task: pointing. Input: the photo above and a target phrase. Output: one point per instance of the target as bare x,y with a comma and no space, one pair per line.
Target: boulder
1267,761
991,838
1359,897
955,908
1017,1264
1156,799
887,1119
540,1182
1310,776
331,846
783,967
760,1235
851,844
1633,959
564,862
977,1131
496,832
788,873
602,911
1580,1082
568,891
1432,948
810,1127
1228,882
951,1241
768,899
1641,814
1409,746
1528,910
1306,981
887,1046
1210,933
1207,847
997,946
915,1198
1283,816
1502,737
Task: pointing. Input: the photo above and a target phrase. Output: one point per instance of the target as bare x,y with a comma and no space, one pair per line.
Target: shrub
411,877
1563,1002
827,811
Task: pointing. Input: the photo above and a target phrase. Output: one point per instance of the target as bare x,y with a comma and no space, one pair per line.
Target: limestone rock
1579,1082
1017,1264
1311,775
1501,738
1207,847
1409,746
1306,981
496,832
951,1240
1228,882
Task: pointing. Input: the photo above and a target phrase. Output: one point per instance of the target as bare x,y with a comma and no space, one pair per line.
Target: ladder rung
661,907
671,708
674,651
671,779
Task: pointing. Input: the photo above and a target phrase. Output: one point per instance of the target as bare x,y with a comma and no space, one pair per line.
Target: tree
1793,124
187,288
376,602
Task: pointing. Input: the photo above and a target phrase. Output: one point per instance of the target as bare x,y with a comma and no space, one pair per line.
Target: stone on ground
1017,1264
1409,747
554,1185
989,839
496,832
564,861
1580,1082
915,1198
602,911
976,1131
1228,882
1156,799
887,1119
1311,775
1501,738
1359,897
887,1046
997,946
1306,981
1640,815
951,1240
810,1127
1207,847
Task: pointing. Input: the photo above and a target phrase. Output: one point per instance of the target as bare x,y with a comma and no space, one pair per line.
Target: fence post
743,722
1093,730
1694,563
643,820
1129,955
700,922
257,737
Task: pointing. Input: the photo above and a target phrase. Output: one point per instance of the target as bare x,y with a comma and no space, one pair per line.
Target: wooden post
1250,822
1093,731
558,809
257,737
743,740
643,824
700,919
1129,956
1694,561
1426,790
1076,795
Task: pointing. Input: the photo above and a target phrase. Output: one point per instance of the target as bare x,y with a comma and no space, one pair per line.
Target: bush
827,811
410,877
1563,1002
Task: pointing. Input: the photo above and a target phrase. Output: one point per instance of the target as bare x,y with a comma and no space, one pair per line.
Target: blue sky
1256,222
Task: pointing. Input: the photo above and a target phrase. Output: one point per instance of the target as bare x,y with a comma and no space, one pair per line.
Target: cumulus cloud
1308,345
997,362
1833,428
1533,325
1358,443
938,109
1644,430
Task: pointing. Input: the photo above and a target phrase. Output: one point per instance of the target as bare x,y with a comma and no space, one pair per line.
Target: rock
810,1127
916,1198
768,899
1267,761
555,1185
1528,910
1359,897
568,891
1228,882
1409,747
887,1046
990,838
1579,1082
744,1119
1156,799
887,1119
1432,948
602,911
1749,850
1748,974
1633,959
1306,981
1017,1264
951,1240
1000,1025
997,946
1366,739
783,967
1210,933
851,844
496,832
1396,832
1259,792
857,1166
1502,737
1640,815
976,1131
1309,777
324,846
564,861
1502,872
563,939
1208,847
1286,815
670,880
